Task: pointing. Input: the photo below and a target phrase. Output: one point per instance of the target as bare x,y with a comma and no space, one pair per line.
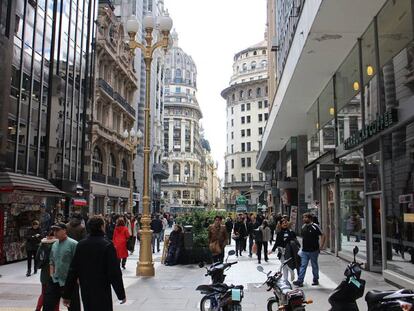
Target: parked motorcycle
285,298
352,288
219,296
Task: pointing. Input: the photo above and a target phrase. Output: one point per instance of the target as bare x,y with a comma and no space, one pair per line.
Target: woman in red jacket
120,239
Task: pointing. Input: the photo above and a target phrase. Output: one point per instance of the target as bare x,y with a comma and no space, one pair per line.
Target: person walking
251,225
96,266
265,238
229,228
33,237
288,247
164,227
156,227
239,234
310,249
75,229
217,238
121,236
133,228
61,256
45,220
42,260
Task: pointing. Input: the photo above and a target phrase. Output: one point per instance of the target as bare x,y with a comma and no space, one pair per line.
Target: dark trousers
53,294
239,246
244,242
31,255
260,246
122,262
229,236
219,257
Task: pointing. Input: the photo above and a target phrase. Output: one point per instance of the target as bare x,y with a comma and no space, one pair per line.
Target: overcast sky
212,31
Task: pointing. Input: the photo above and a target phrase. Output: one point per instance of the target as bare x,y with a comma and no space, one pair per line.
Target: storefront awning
79,202
13,181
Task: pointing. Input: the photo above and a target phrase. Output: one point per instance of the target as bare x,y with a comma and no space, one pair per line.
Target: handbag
254,248
130,243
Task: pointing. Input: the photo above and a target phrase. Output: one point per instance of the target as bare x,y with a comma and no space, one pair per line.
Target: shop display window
312,120
399,202
352,231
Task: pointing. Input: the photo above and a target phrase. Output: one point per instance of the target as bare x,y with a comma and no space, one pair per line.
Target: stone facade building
182,114
247,113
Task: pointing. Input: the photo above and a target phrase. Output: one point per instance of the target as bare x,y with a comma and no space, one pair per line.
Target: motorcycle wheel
205,304
236,307
272,305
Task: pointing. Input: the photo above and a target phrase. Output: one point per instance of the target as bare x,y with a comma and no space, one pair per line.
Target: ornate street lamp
145,265
132,139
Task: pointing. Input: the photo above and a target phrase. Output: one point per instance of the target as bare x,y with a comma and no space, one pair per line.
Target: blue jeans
305,257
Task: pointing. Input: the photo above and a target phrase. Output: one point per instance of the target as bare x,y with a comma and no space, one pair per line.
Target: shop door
374,232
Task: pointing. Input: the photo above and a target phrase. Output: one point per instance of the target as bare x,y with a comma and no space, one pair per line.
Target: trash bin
188,237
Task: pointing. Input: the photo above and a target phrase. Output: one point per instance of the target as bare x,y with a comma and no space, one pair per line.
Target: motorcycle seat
239,287
377,295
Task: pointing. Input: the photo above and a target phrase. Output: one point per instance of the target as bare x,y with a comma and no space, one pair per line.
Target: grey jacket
266,233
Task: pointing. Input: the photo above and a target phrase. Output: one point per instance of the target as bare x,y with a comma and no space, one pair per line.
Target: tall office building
247,113
46,64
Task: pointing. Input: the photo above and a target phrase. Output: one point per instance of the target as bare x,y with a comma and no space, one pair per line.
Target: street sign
241,200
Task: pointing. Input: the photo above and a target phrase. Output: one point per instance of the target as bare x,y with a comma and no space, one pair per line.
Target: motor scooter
352,288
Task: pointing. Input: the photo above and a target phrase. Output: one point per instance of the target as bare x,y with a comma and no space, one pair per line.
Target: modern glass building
47,60
355,108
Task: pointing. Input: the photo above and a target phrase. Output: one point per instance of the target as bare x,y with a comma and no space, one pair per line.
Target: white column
171,134
182,135
191,172
182,170
192,137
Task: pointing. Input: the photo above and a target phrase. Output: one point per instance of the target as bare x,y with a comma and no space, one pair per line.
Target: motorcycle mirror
260,268
356,250
231,253
201,265
269,273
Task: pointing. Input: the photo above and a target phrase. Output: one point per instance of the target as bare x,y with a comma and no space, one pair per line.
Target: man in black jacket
240,234
156,227
229,228
96,266
33,238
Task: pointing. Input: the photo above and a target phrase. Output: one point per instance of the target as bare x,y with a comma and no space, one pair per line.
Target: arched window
249,93
112,166
124,170
241,95
187,171
244,67
177,194
97,161
255,53
253,65
167,73
264,63
186,194
258,91
233,97
178,73
187,74
177,171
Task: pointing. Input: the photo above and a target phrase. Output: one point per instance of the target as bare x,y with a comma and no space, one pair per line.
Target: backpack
258,235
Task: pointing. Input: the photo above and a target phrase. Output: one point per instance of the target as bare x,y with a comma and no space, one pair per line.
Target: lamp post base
145,265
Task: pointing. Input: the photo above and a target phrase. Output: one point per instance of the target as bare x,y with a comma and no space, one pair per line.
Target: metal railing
113,180
116,96
99,177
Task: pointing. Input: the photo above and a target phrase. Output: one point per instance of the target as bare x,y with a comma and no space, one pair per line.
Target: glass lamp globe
166,23
148,22
132,25
125,134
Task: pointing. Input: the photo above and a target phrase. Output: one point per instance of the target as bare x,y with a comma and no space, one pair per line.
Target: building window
242,133
186,194
232,122
232,149
260,104
249,93
248,132
248,119
260,130
112,166
244,67
249,177
232,135
178,89
266,103
124,170
97,161
258,92
243,177
232,178
249,162
248,146
260,116
248,106
243,162
233,97
253,65
232,163
242,107
243,147
266,116
261,176
232,109
242,120
264,52
241,95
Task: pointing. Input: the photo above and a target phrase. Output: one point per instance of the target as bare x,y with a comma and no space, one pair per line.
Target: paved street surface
173,288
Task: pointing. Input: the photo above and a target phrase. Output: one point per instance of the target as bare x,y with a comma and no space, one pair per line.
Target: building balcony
125,183
244,184
159,171
98,177
113,180
116,97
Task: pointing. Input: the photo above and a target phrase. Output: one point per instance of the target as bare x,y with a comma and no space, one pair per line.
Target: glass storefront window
352,211
369,69
399,203
395,28
373,177
349,119
312,119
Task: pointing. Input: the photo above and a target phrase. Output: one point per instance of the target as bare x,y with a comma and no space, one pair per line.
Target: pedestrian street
173,288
